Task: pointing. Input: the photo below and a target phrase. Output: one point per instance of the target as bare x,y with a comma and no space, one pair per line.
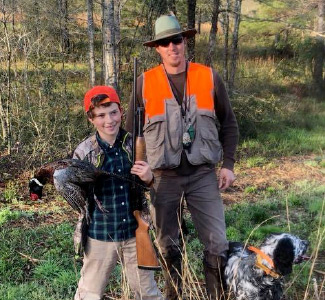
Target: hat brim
186,33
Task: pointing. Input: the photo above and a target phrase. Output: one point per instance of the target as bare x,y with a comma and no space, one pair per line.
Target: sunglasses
165,42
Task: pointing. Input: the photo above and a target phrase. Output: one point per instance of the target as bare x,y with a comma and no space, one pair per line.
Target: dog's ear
283,256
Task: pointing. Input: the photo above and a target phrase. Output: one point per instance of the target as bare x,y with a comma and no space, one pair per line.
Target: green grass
277,115
274,140
252,222
38,263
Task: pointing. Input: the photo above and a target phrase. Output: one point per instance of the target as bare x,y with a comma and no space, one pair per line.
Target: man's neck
176,69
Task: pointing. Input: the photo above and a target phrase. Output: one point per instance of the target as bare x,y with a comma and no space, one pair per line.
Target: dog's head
286,250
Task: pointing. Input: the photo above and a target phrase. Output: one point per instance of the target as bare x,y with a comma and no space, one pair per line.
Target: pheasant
74,180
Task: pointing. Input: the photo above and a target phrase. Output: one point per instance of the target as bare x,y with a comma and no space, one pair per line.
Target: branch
31,259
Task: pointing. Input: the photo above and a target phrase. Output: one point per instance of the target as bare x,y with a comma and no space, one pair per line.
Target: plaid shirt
118,224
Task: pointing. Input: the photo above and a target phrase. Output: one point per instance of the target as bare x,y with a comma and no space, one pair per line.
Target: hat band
168,32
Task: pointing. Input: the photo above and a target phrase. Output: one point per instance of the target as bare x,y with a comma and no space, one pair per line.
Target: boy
111,234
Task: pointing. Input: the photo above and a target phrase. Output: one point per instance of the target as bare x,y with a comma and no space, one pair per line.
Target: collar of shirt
106,146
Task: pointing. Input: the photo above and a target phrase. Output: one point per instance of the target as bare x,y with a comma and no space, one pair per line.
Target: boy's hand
142,169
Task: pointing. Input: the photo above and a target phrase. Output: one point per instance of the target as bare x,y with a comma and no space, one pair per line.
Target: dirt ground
278,174
249,185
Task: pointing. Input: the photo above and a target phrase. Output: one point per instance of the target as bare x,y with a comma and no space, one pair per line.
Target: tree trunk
234,48
117,18
63,19
5,105
92,74
225,28
319,59
171,4
199,21
213,33
109,45
191,5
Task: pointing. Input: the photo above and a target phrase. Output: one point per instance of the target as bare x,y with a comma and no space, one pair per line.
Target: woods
271,56
44,50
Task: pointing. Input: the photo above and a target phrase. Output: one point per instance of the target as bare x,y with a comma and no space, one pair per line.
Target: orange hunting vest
164,125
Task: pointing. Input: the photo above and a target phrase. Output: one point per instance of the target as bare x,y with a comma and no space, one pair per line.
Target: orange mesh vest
156,88
164,124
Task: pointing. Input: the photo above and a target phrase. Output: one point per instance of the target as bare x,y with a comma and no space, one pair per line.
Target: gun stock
146,254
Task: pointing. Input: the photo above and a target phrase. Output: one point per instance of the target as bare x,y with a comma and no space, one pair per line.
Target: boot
213,270
172,271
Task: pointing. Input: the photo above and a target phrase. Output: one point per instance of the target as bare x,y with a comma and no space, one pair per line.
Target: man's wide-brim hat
167,26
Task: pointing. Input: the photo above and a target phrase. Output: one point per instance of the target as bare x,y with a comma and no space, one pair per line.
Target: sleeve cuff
150,184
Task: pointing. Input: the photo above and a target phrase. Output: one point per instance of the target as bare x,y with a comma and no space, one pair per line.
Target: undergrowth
38,263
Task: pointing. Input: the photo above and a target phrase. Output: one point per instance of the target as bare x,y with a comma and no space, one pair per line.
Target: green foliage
250,189
11,191
7,215
255,161
233,234
38,262
28,291
273,104
46,271
51,243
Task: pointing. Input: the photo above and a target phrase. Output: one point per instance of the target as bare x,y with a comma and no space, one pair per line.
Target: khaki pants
203,201
100,260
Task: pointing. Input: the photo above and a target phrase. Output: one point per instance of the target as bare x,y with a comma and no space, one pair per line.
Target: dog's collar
261,255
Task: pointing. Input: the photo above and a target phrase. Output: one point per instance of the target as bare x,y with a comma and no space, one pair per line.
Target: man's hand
226,178
142,169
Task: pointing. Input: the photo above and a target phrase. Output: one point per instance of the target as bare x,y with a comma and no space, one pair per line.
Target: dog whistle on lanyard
188,136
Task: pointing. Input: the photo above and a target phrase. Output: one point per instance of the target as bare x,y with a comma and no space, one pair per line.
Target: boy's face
107,121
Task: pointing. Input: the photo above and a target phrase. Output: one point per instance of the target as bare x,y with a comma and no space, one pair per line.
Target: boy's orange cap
101,90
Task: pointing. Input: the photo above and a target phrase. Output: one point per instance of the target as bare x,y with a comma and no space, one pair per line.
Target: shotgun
146,254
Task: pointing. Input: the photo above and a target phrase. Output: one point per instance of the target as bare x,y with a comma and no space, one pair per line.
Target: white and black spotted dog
257,274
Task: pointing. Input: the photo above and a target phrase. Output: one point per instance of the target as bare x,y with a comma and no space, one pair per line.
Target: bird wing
70,191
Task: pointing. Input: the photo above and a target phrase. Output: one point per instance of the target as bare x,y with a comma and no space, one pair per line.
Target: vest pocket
211,148
153,132
174,127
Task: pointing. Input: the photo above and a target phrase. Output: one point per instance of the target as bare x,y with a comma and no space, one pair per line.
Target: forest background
271,55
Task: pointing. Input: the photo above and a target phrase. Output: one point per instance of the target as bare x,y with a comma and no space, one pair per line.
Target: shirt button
119,170
121,187
116,153
124,220
122,203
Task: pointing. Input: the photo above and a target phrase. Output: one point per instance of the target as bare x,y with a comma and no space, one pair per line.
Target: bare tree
5,89
117,30
191,5
213,32
63,24
171,5
319,58
225,29
109,43
90,18
199,20
234,47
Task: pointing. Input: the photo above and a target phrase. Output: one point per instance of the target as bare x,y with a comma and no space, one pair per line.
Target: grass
38,263
277,118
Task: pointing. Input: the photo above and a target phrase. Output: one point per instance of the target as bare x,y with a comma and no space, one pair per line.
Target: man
111,232
183,104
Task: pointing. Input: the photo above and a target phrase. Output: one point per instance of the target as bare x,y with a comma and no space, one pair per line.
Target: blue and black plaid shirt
118,224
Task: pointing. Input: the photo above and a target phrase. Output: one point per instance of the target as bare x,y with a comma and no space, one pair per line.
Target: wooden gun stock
146,254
